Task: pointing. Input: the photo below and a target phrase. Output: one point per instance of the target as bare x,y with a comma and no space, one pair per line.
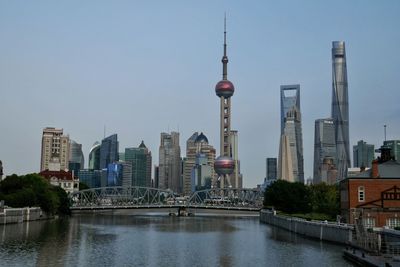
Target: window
369,222
361,194
393,222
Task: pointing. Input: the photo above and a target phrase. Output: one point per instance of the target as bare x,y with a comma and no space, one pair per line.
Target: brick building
374,194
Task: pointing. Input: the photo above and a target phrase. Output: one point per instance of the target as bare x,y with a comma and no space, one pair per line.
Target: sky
139,68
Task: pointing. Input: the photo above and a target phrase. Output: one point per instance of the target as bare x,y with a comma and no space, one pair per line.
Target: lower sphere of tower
224,165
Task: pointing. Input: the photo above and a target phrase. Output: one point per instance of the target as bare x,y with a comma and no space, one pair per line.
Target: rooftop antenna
104,131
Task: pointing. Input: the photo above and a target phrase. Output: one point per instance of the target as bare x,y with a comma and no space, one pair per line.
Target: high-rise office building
170,162
196,146
291,135
324,146
237,177
340,108
156,176
1,170
90,177
108,151
140,160
55,149
76,158
224,165
94,157
189,163
394,146
271,167
202,173
363,154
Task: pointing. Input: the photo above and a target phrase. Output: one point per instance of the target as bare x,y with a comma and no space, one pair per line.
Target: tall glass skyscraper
340,108
363,154
271,168
170,162
140,160
94,157
108,151
324,145
291,145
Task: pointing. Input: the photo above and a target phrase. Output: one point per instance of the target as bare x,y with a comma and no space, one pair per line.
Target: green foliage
316,202
325,199
33,190
288,197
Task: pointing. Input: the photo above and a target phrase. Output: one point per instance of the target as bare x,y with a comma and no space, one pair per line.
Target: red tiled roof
61,175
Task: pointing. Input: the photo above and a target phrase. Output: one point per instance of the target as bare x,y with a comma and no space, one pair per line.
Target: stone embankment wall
327,231
18,215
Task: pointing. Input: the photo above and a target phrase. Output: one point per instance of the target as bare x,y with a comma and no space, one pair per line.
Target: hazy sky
144,67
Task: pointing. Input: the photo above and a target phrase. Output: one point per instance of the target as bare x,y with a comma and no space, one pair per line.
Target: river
126,240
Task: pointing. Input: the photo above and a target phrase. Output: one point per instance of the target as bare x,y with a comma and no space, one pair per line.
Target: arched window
361,194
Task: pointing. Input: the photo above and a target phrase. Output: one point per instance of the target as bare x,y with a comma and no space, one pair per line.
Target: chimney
374,169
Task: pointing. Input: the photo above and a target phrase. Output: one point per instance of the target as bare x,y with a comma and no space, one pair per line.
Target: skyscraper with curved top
340,108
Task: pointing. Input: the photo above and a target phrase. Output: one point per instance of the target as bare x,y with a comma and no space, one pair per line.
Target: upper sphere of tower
224,88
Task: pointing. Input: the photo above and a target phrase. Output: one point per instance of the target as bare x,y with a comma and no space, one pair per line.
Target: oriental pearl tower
224,165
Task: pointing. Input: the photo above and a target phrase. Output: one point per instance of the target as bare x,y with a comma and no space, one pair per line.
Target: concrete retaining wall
332,232
18,215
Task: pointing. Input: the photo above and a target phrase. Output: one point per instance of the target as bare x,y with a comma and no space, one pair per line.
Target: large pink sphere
224,88
224,165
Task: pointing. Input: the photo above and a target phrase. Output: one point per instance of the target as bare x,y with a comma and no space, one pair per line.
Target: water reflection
106,240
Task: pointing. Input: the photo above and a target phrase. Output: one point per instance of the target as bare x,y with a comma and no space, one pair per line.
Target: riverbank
19,215
326,231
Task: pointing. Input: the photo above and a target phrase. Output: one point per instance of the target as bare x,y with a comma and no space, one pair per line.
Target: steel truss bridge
119,197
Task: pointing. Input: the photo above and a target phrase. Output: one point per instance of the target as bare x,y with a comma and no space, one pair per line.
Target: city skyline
64,73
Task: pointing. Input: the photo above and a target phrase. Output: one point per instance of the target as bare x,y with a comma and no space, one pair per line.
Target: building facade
271,167
324,147
55,149
94,157
141,162
237,177
373,196
64,179
291,135
170,162
363,154
76,159
340,108
108,151
90,177
394,145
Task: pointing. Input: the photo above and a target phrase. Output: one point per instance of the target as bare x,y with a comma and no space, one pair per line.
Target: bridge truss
144,197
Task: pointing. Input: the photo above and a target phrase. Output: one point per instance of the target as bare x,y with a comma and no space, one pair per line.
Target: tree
325,199
33,190
288,197
83,186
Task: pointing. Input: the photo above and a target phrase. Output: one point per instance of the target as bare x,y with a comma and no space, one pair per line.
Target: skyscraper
170,162
271,169
76,158
94,157
55,149
340,108
224,165
394,146
108,151
1,170
363,154
324,145
140,160
237,177
197,146
291,135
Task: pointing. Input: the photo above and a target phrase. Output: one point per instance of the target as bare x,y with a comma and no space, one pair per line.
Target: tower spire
225,57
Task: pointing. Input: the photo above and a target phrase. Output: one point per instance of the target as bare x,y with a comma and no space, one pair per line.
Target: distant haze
144,67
